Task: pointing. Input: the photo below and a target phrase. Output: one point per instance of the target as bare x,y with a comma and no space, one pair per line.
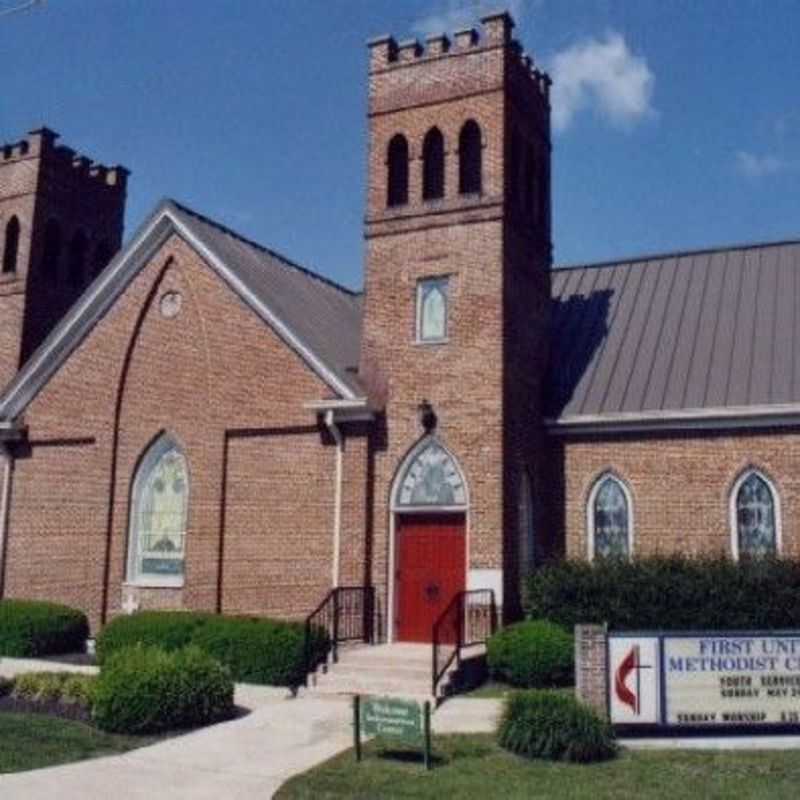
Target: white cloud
759,166
447,16
601,74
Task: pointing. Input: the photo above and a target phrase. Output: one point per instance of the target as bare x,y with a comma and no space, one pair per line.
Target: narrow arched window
432,294
77,259
470,169
755,517
527,552
160,501
433,165
102,255
11,246
610,525
51,254
397,163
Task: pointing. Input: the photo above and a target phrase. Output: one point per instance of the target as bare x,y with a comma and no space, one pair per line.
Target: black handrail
345,615
469,619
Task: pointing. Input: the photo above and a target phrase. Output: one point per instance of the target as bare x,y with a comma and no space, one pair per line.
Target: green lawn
31,741
496,690
475,767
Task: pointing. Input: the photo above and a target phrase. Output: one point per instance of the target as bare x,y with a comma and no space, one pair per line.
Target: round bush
148,690
169,630
258,650
31,628
534,654
542,724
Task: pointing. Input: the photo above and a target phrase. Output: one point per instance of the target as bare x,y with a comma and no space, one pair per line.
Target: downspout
337,497
8,466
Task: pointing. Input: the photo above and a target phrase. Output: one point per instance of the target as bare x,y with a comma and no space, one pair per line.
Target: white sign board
704,679
732,680
634,680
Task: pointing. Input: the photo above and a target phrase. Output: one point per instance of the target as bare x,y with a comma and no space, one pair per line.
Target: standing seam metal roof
692,330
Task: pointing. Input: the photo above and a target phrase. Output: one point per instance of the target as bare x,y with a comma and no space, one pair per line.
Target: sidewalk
246,758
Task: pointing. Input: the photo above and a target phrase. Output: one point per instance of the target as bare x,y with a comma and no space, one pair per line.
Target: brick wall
232,393
591,667
680,486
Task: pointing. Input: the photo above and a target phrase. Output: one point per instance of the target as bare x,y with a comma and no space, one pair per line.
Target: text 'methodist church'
195,422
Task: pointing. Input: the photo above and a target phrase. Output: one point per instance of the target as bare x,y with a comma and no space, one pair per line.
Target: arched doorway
429,509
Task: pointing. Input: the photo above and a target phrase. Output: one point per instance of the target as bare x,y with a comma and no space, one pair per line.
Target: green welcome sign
392,718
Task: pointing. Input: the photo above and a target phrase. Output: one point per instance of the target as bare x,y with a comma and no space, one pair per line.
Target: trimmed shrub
48,687
258,650
669,593
31,628
149,690
169,630
541,724
535,654
255,650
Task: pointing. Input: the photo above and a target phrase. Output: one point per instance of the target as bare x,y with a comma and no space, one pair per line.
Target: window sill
430,342
144,583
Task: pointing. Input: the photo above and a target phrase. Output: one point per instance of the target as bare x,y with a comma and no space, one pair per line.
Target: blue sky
677,122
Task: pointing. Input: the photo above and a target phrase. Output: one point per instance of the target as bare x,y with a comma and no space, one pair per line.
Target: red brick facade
244,403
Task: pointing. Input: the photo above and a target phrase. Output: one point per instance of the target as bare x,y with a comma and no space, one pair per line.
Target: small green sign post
392,718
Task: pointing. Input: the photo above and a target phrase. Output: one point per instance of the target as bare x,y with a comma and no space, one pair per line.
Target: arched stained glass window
432,309
610,518
158,517
431,478
756,517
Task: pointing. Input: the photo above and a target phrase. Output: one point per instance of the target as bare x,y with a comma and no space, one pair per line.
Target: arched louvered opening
77,260
470,168
51,255
433,165
11,250
397,164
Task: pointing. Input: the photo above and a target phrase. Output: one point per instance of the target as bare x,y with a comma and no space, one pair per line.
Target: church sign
705,679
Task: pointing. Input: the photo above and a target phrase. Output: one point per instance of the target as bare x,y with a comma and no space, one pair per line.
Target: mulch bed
53,708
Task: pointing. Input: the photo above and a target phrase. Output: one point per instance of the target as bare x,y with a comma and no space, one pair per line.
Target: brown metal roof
694,330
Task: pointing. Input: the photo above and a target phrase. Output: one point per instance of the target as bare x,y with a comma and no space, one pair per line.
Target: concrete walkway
246,758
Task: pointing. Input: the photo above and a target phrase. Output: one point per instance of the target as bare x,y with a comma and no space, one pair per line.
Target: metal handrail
345,615
469,619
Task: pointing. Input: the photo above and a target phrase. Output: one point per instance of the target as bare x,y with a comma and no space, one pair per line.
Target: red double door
431,570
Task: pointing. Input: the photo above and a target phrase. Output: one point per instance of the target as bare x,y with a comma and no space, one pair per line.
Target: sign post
392,718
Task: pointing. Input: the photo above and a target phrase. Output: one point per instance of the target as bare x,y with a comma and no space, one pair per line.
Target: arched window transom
756,517
610,518
431,478
158,519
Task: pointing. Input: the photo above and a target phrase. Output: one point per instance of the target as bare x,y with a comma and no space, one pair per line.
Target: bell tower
61,220
457,285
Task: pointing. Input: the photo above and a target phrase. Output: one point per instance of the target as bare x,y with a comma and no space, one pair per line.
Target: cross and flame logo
630,664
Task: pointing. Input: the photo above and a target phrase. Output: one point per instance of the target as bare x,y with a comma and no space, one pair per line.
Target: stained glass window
432,478
611,520
755,517
158,521
432,310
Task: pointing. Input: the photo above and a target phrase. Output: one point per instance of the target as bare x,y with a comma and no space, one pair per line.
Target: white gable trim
102,294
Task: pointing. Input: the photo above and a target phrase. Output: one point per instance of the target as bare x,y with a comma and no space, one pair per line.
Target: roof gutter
786,415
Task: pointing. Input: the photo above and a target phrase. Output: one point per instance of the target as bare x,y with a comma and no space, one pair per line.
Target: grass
496,690
470,766
32,741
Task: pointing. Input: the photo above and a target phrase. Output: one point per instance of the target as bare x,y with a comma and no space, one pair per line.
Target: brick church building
194,422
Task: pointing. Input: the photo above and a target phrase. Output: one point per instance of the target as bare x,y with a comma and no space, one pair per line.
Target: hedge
534,654
669,593
31,628
149,690
59,687
542,724
254,650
